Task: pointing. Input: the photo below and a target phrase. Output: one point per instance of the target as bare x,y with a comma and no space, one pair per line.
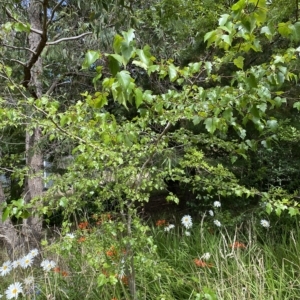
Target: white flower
70,235
29,280
217,204
187,233
47,265
33,253
205,256
13,290
265,223
168,228
26,261
187,221
16,263
6,268
217,223
211,213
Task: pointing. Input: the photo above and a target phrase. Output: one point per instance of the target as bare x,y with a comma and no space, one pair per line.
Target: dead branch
68,38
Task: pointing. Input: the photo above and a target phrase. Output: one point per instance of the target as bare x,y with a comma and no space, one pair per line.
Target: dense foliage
187,101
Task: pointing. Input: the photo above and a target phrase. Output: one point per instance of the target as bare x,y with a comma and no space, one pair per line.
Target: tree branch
12,17
19,62
68,38
53,11
18,48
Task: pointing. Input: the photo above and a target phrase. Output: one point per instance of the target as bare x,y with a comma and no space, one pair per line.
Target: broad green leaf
20,27
272,124
211,124
239,62
284,29
114,62
124,79
223,20
172,72
90,57
5,213
138,97
239,5
117,43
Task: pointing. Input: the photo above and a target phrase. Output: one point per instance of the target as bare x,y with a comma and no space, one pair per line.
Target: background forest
151,148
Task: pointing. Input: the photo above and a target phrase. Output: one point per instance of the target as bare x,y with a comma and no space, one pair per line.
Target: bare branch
68,38
53,11
19,62
12,17
18,48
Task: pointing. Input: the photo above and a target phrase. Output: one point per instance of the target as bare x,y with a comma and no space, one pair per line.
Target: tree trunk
32,227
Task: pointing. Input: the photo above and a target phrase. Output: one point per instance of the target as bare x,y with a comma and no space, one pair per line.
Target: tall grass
248,263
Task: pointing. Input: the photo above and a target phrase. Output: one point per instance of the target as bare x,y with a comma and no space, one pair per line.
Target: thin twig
18,48
53,11
12,17
68,38
19,62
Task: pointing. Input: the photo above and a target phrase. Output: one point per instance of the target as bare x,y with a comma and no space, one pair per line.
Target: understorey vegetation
149,150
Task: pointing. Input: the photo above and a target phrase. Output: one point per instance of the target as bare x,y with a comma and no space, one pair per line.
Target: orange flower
56,270
237,245
64,273
124,279
201,263
161,223
81,239
112,252
83,225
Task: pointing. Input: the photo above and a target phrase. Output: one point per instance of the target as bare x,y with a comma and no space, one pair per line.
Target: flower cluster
237,245
23,262
200,263
161,223
169,227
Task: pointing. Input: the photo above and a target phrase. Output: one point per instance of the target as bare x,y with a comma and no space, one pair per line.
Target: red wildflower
201,263
237,245
83,225
161,223
64,273
56,270
81,239
112,252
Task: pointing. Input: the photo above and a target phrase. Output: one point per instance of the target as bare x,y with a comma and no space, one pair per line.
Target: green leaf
138,97
296,105
211,124
239,62
114,62
5,213
272,124
172,72
20,27
284,29
90,57
223,20
124,79
117,43
239,5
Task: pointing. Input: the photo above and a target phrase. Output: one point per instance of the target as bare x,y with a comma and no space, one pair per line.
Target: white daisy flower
265,223
26,261
211,213
187,233
33,253
217,204
168,228
205,256
187,221
70,235
47,265
14,290
217,223
6,268
16,263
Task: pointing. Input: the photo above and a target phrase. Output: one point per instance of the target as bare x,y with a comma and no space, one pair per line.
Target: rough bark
32,227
